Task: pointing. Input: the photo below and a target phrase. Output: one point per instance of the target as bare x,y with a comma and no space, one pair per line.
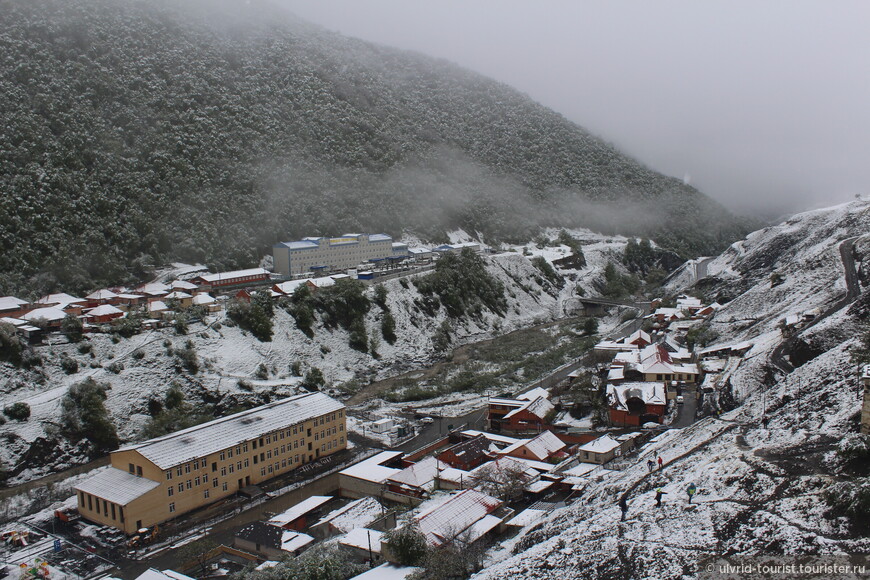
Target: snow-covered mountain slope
761,482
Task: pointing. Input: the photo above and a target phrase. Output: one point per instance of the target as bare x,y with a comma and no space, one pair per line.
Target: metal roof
223,276
202,440
117,486
443,522
300,509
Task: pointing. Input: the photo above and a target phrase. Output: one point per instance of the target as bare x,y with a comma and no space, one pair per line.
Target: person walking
650,464
691,491
659,494
661,462
623,505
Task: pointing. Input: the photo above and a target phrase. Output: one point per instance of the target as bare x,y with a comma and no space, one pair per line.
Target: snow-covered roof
292,541
290,286
371,469
50,314
154,289
203,299
534,394
539,486
104,310
214,436
651,393
322,281
443,522
380,238
581,470
538,407
61,300
603,444
419,251
183,285
454,475
387,571
154,574
101,295
364,539
356,514
300,509
234,274
527,517
421,474
178,295
540,446
117,486
157,306
13,321
498,439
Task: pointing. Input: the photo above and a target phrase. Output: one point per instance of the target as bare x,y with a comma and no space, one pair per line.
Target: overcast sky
764,105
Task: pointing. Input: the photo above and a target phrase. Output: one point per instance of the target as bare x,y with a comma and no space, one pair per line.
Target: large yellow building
160,479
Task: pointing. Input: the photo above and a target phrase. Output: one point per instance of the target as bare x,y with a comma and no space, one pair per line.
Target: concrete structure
600,450
163,478
324,255
368,477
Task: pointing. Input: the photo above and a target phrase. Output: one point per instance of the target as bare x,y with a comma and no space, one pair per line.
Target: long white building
322,255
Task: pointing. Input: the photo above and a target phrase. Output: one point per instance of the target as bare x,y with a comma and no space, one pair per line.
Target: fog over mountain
136,133
763,105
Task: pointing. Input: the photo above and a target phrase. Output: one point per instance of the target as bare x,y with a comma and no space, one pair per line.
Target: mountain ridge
138,133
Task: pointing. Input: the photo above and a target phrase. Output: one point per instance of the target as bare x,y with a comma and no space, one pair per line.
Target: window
170,491
229,452
341,439
239,465
169,474
139,470
238,450
294,430
214,467
205,478
224,486
187,468
296,444
206,493
223,455
223,471
269,454
247,463
179,472
341,427
196,464
189,484
255,443
180,487
90,502
132,468
245,448
196,480
113,511
232,468
214,482
270,469
171,507
317,436
268,439
255,460
283,463
121,513
262,471
282,434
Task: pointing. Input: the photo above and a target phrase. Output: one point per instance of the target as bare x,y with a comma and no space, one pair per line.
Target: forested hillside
135,132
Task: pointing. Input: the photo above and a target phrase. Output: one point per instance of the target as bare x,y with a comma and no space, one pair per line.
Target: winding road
853,290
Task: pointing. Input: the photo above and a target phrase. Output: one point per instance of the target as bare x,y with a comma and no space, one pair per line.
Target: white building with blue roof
322,255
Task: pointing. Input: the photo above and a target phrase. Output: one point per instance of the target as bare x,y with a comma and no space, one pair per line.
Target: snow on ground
228,355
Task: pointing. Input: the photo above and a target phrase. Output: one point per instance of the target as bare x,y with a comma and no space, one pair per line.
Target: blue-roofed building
324,255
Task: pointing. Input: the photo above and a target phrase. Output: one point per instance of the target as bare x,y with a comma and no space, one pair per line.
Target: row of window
196,464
